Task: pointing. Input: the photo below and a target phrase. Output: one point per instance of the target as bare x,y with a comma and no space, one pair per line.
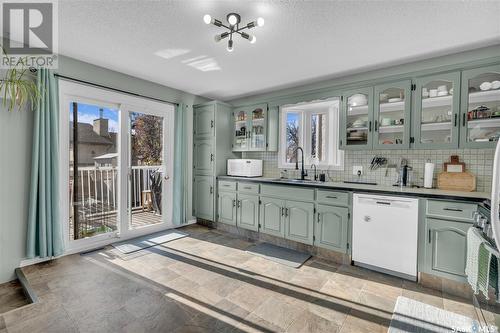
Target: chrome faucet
303,172
315,171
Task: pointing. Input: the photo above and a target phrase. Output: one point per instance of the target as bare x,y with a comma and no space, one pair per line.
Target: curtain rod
113,89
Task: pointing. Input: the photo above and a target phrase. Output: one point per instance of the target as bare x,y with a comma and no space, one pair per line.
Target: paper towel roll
428,174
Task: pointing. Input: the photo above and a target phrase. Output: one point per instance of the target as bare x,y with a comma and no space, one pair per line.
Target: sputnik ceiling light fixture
234,21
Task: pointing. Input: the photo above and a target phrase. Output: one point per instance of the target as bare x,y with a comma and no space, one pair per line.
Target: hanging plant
16,88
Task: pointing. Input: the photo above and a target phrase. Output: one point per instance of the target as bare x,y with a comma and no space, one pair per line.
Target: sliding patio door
116,154
148,173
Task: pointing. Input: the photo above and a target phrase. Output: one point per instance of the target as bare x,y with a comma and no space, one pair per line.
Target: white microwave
244,168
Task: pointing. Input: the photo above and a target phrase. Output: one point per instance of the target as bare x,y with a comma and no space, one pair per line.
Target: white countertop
423,192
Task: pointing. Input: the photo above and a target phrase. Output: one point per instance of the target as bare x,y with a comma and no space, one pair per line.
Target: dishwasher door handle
383,203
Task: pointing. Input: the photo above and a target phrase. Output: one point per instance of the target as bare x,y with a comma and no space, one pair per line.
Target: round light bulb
260,22
207,19
217,38
230,46
253,39
232,19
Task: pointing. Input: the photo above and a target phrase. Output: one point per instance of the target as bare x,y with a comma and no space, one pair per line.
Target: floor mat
140,243
416,317
279,254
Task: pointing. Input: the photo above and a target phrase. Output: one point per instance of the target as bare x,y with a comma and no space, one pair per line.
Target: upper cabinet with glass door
480,107
250,127
391,125
357,117
436,120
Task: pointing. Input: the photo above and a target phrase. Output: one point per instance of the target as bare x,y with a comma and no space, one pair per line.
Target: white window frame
75,92
335,156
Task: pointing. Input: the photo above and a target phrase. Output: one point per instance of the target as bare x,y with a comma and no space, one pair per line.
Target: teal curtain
44,237
180,166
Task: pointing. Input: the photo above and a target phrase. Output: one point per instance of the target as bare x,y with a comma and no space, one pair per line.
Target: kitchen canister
428,174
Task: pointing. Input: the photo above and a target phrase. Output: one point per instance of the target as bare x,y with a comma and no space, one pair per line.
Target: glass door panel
481,101
437,111
93,170
258,128
392,110
147,170
358,109
241,133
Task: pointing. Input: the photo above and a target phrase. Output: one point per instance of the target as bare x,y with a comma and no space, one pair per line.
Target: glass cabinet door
480,107
257,127
241,133
392,115
357,117
436,111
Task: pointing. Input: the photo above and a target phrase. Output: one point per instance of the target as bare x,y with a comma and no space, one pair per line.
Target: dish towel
474,241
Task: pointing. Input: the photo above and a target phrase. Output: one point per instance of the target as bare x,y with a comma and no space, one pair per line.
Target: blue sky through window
87,113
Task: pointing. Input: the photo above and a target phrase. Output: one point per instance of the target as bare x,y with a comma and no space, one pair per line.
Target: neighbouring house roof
106,156
86,134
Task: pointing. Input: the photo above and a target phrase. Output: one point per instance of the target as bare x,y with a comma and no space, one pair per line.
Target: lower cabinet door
331,227
248,211
299,224
271,219
203,196
446,248
227,207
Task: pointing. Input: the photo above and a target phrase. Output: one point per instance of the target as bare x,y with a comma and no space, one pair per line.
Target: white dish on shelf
495,84
442,93
394,100
485,86
383,97
357,100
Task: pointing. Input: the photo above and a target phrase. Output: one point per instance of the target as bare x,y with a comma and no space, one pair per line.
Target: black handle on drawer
247,188
454,209
384,203
331,197
430,236
456,119
226,185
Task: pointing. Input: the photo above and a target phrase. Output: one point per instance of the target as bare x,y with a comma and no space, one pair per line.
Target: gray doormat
140,243
416,317
279,254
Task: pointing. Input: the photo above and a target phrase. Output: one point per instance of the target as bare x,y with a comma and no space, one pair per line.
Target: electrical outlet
357,170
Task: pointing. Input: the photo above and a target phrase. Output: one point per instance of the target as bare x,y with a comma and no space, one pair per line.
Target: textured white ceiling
168,43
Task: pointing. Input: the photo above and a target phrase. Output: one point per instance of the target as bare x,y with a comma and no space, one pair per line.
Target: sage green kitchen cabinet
391,120
331,227
299,224
227,207
204,121
446,248
480,107
437,118
211,149
203,157
203,195
248,211
251,126
272,216
356,130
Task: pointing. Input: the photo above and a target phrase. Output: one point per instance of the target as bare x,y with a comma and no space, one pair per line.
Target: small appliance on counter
244,168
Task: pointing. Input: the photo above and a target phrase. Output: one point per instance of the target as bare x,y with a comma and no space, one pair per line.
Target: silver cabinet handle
319,217
453,209
211,189
286,211
282,211
239,203
211,157
234,202
211,124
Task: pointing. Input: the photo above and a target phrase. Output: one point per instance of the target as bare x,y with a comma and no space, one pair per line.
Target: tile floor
208,283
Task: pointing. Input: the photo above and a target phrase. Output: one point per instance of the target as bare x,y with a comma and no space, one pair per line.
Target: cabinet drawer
451,209
288,192
248,188
332,198
225,185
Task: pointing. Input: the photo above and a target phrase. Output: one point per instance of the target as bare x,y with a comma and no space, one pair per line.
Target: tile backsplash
477,161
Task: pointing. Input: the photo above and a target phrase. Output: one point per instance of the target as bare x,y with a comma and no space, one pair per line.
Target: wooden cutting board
456,181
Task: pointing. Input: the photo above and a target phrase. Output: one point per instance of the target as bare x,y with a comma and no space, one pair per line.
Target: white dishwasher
384,234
